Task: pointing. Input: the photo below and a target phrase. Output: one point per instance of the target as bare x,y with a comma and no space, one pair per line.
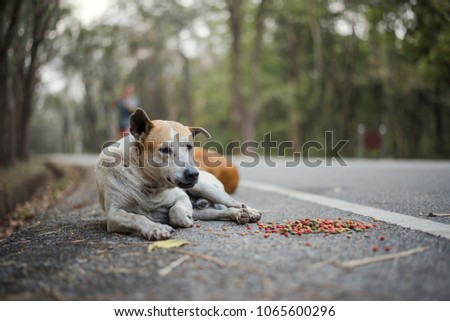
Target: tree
9,17
295,68
24,47
94,59
244,117
249,133
235,21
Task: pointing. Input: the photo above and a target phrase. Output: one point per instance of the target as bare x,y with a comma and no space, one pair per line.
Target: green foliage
325,65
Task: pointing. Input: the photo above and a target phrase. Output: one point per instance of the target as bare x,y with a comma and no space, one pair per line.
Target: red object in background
372,140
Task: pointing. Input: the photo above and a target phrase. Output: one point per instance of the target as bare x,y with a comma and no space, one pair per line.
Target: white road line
403,220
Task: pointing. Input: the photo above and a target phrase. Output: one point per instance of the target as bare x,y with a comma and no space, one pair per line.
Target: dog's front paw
181,221
179,217
255,215
156,232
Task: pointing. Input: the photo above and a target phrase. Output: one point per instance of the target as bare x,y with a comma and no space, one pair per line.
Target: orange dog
218,165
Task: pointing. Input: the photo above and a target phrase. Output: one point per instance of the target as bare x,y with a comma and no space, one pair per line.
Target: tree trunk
187,97
439,145
318,85
90,119
292,77
235,21
7,153
254,106
8,24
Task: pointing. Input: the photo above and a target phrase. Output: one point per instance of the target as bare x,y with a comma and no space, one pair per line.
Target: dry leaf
167,244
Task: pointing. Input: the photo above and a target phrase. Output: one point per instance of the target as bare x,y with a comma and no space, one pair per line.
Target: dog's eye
189,146
165,150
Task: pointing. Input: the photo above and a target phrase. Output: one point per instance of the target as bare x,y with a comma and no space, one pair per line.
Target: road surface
66,253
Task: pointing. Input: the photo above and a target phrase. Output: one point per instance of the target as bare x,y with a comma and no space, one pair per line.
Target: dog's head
166,150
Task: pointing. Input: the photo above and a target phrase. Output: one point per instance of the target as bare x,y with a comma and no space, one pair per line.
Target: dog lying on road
147,182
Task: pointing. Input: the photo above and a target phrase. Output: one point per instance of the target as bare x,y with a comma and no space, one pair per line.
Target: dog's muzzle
190,178
191,175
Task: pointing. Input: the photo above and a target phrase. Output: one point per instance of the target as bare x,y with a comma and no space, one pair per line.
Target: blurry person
126,104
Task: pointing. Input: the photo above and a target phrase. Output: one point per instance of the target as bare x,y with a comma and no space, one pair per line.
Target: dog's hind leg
239,215
121,221
212,189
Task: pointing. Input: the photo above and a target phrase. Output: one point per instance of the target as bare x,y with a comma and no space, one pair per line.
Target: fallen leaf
166,244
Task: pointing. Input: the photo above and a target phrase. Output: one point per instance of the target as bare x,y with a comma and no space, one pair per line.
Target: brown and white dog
147,182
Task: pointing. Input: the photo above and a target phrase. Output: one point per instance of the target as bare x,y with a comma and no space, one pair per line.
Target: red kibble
327,234
266,235
375,248
286,234
308,244
197,225
249,227
387,248
382,238
340,218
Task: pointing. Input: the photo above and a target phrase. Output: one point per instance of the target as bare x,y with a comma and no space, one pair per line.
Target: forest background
240,68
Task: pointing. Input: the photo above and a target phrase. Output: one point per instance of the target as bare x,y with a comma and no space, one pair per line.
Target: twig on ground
169,268
438,214
205,257
220,234
266,281
375,259
322,263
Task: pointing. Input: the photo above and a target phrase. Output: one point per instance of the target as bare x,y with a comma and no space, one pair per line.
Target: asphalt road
409,187
67,254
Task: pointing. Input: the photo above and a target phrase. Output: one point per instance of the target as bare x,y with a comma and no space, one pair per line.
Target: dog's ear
199,130
140,124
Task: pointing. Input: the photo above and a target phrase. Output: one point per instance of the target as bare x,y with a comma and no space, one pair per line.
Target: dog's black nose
191,174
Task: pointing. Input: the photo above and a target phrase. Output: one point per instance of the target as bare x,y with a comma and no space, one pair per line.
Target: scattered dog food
375,248
382,238
314,226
